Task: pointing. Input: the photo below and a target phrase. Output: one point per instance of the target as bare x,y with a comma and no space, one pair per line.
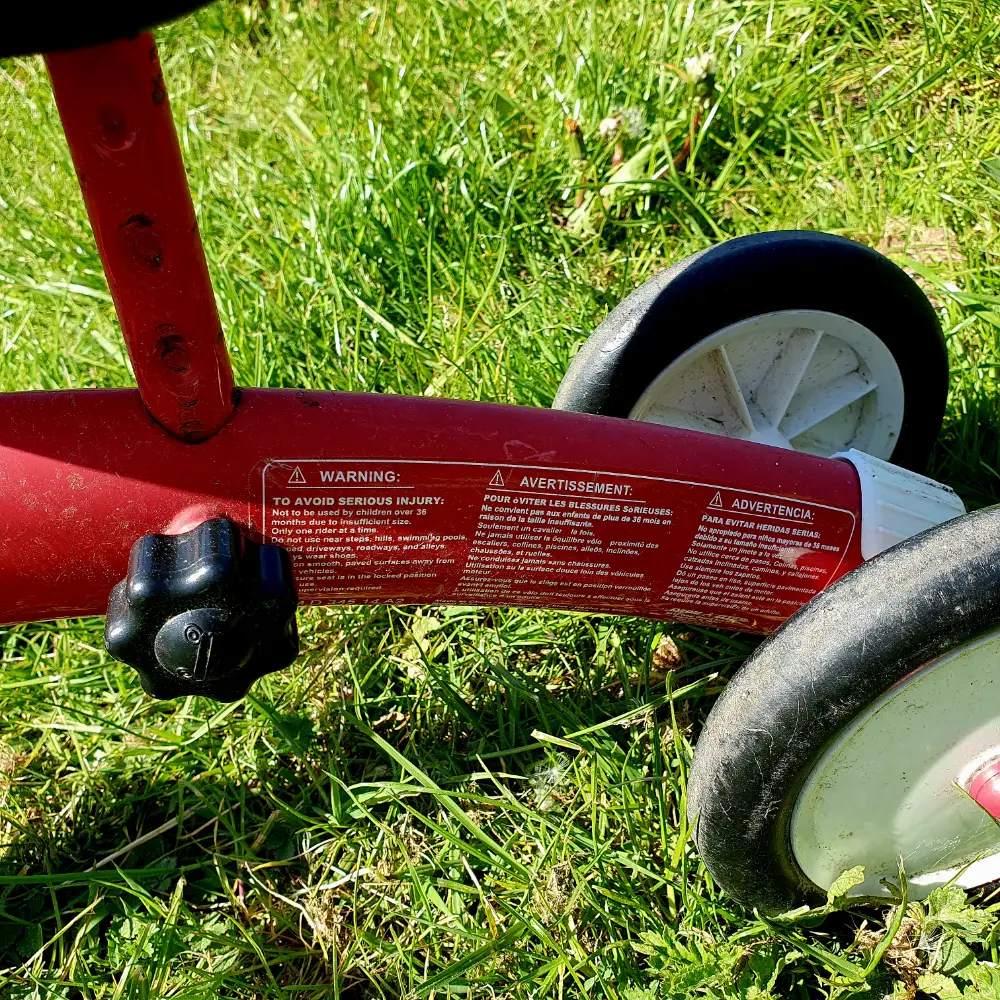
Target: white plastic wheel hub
807,380
893,784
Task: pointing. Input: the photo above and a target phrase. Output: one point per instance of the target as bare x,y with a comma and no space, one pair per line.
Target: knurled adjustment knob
205,612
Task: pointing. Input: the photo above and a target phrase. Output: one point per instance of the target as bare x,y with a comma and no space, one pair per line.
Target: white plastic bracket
897,504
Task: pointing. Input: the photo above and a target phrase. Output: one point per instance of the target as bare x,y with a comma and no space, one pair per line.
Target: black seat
73,24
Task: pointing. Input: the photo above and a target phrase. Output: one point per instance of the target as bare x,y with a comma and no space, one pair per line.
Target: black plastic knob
205,612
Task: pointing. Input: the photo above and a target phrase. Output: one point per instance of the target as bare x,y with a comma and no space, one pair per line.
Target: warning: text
772,509
358,476
576,486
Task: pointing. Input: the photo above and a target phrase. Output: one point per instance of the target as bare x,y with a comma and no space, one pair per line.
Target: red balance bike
718,454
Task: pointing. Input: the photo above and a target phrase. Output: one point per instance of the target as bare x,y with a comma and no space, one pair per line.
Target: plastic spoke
778,386
734,393
704,396
765,432
823,401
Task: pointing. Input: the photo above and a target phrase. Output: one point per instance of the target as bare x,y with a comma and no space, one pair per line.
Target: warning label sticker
467,533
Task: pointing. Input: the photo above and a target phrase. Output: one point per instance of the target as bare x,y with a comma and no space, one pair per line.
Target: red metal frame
116,115
84,474
379,498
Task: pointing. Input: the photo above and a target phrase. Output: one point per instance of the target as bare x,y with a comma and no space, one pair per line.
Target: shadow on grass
261,816
169,868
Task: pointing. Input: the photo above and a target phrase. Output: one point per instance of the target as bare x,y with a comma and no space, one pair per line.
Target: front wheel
864,731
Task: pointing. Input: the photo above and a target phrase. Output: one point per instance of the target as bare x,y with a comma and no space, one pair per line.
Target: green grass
465,803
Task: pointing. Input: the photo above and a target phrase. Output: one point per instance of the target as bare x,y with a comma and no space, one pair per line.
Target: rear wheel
794,339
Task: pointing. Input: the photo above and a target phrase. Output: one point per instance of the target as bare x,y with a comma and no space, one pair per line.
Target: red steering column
116,115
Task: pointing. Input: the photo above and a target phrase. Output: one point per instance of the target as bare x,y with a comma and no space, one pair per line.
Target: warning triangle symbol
716,501
296,478
497,480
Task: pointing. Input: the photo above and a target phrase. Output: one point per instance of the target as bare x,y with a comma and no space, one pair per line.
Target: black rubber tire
746,277
819,671
70,24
